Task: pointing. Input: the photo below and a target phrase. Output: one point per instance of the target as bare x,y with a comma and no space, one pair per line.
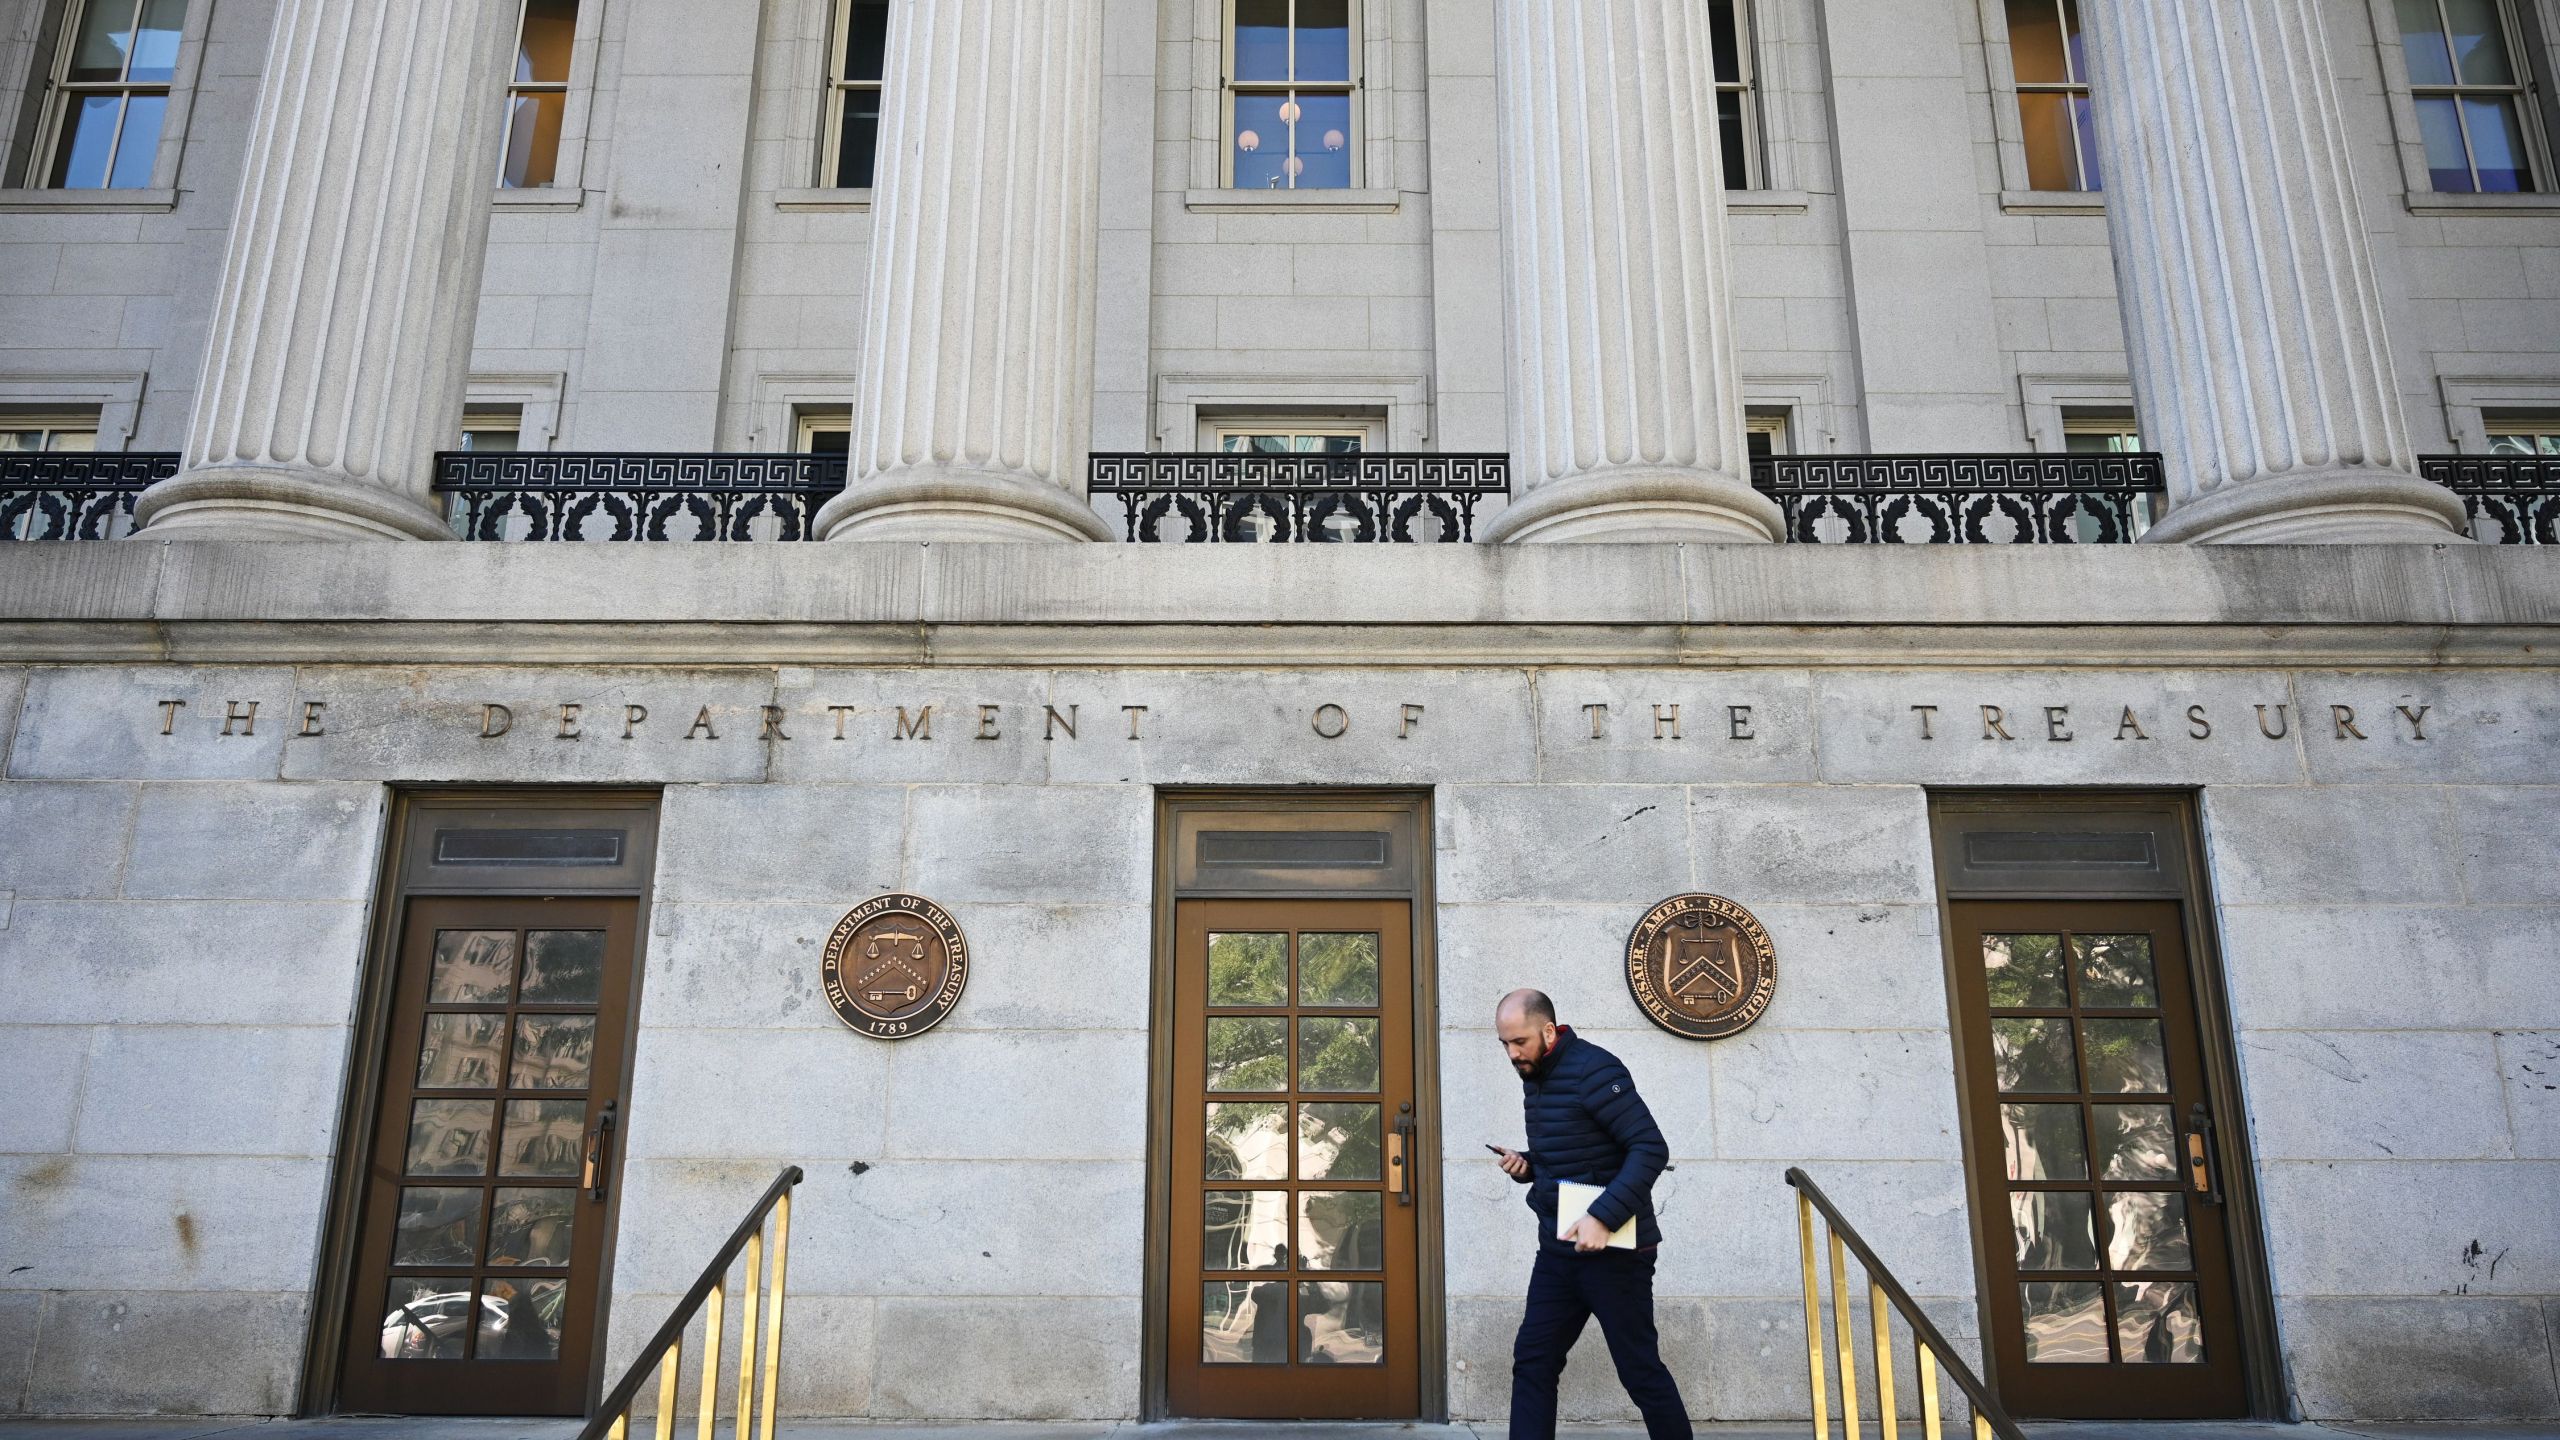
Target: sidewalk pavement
419,1429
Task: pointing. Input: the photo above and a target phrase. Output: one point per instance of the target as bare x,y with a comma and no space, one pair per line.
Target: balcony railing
2512,499
76,495
1249,499
1238,499
1962,499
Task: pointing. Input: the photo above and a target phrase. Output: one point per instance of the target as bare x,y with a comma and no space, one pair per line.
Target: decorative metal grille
1962,499
1247,499
549,495
2512,499
74,495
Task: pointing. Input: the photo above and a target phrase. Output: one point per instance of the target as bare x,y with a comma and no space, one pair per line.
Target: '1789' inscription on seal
895,966
1701,966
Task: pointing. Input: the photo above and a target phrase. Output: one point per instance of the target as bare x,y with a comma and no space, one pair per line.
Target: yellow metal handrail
709,1299
1885,1296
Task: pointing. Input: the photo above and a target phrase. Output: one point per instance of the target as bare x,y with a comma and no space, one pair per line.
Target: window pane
139,146
520,1319
2497,143
106,35
2448,165
542,51
1247,1141
438,1225
425,1319
461,1052
1323,161
1261,143
2126,1057
529,1226
1262,40
2147,1230
1726,39
1734,140
830,442
1337,969
1342,1322
1245,1230
1249,968
2422,40
1338,1141
2075,46
2480,42
2053,151
858,141
866,39
533,139
1244,1322
2066,1323
155,54
1324,39
78,442
2116,972
2055,1231
2036,43
2157,1324
1249,1053
2043,1142
2023,971
491,442
1342,1230
2033,1057
2084,130
88,141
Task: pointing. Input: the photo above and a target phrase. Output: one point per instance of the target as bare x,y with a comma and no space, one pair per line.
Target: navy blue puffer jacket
1587,1124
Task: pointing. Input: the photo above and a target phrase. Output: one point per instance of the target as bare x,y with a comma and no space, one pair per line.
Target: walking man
1585,1123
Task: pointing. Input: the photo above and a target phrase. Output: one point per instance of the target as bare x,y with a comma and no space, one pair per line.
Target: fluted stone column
1626,398
341,340
976,394
2251,310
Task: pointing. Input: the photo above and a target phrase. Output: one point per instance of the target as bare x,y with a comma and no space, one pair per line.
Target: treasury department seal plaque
1701,967
895,966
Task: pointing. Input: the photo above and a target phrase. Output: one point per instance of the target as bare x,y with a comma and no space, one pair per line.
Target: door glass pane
2066,1322
2422,40
2044,1142
542,1137
2023,972
1342,1229
563,967
2115,972
449,1137
530,1226
1244,1322
2157,1323
472,967
1338,1053
1337,969
2126,1057
2135,1142
2033,1057
542,55
1245,1230
1247,1141
1248,969
2147,1230
423,1319
553,1052
461,1052
1324,39
520,1319
2479,42
155,50
438,1225
1338,1141
2055,1231
1342,1322
1249,1052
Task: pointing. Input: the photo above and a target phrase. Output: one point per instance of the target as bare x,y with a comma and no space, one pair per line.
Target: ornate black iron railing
1962,499
76,495
552,495
2512,499
1374,498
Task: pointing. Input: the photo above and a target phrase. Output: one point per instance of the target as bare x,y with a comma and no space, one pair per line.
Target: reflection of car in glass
429,1327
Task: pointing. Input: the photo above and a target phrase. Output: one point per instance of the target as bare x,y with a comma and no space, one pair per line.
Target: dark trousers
1567,1289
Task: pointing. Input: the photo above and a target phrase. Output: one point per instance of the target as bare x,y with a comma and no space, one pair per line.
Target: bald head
1526,1023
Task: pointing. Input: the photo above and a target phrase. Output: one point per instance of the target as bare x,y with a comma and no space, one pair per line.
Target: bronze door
2095,1180
482,1235
1293,1269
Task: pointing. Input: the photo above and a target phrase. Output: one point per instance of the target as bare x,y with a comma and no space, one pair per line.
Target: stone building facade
1637,253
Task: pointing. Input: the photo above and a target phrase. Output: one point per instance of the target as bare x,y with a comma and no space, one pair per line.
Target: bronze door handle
594,1177
1399,1154
2203,1179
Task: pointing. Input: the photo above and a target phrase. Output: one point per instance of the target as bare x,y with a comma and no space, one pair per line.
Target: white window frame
811,422
113,400
1804,401
1369,430
2018,195
32,93
80,422
838,89
2050,401
567,190
2535,45
1379,165
534,396
2468,399
1231,88
1776,423
1186,405
494,420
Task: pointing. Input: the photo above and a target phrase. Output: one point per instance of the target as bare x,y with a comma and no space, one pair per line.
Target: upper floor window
854,66
2470,81
2100,432
1737,106
110,82
1287,438
825,432
1764,431
1290,84
2523,432
43,434
2052,64
538,94
492,429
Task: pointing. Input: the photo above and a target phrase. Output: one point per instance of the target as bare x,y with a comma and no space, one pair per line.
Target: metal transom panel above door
1294,1291
481,1235
2104,1237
